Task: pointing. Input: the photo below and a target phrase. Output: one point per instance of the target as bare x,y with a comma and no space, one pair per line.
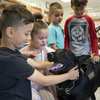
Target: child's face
79,11
57,16
21,35
40,39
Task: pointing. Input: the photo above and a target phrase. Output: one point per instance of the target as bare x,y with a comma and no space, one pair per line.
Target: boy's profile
80,32
55,36
15,27
16,71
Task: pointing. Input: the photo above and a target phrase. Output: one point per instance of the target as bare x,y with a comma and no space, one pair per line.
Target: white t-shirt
39,57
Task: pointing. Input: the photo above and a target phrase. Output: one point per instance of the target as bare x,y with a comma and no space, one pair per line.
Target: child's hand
95,58
29,54
73,73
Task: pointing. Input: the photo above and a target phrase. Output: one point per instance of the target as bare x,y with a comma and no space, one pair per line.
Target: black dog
81,88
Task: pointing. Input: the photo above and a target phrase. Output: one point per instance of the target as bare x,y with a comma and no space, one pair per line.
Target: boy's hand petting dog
73,73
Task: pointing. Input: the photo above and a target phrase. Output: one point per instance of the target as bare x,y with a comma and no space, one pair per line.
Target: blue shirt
55,36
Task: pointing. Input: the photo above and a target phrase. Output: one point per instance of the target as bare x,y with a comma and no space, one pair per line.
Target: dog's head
64,61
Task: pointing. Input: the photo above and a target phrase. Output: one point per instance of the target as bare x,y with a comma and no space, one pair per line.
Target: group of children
79,31
19,26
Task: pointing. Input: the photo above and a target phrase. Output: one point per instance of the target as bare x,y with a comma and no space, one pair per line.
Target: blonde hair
53,6
38,24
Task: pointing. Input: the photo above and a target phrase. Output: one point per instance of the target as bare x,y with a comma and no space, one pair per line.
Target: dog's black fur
81,88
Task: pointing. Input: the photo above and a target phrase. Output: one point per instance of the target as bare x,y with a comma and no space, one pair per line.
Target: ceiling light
66,0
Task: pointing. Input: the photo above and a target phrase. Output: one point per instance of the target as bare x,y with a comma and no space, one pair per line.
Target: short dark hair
53,6
15,16
77,3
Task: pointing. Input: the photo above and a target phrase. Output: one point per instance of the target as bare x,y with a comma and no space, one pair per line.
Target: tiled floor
98,94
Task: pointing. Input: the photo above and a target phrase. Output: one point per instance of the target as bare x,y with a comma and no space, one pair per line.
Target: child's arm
39,78
66,34
93,39
29,54
39,65
53,46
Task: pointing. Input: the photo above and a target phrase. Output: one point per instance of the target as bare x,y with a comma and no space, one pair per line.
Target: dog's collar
67,90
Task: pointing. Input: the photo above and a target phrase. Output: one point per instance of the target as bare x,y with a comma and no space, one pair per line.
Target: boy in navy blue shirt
16,71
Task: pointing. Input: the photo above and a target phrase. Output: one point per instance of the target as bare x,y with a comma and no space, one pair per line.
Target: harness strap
74,89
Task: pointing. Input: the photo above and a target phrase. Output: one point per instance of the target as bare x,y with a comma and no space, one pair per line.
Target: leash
97,31
67,90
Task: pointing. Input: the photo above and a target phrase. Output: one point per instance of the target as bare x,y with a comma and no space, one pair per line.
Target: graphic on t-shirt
78,34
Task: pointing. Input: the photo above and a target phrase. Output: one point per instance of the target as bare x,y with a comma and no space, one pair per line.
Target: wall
36,3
